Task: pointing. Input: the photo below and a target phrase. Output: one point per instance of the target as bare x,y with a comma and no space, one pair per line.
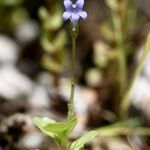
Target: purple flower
73,11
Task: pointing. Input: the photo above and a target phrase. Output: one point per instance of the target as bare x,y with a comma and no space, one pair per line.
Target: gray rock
141,95
32,140
9,50
14,83
39,99
27,32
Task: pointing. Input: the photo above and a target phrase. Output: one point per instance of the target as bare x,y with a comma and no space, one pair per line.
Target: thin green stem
122,68
70,104
121,57
119,38
64,145
125,102
118,10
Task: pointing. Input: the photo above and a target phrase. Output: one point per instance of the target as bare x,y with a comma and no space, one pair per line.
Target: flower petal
83,14
79,4
66,15
74,18
68,4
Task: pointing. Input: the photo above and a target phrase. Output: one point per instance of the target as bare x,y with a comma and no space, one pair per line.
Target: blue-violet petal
80,4
66,15
68,5
74,18
83,14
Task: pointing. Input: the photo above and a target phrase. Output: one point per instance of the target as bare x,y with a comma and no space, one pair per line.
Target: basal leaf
79,144
57,130
62,129
71,123
42,122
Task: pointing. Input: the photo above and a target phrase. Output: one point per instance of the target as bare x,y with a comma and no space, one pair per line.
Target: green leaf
62,129
56,45
132,123
43,13
47,44
60,40
71,123
51,21
51,64
42,122
57,130
79,144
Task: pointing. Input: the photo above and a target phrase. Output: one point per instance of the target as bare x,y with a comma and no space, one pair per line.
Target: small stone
141,96
39,99
32,140
27,32
9,50
14,83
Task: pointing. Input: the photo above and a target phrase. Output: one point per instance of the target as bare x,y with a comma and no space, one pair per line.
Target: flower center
74,6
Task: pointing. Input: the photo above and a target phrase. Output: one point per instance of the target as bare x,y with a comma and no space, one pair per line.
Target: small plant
60,131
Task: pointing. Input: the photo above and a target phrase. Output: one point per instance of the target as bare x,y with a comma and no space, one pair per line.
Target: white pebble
9,50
